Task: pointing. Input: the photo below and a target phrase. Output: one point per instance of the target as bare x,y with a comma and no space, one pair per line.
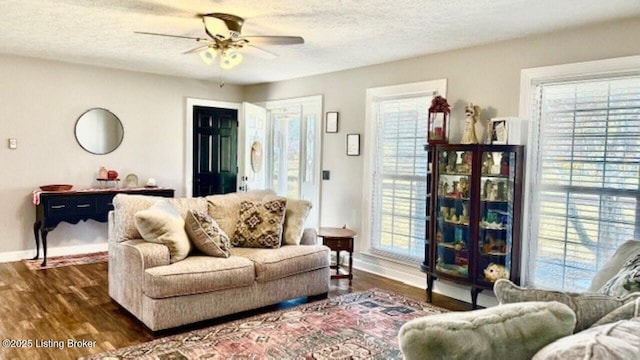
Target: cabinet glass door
452,236
495,228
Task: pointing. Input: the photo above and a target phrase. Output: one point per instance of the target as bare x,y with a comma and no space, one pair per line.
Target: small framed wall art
331,122
353,144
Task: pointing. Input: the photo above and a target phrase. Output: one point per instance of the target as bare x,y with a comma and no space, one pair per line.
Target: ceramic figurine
472,112
493,193
502,191
487,163
102,172
464,218
494,272
486,189
452,160
464,187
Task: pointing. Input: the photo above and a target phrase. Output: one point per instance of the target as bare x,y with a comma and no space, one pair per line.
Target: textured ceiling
339,34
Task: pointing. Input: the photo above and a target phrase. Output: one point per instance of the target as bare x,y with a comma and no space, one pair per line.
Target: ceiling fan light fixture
208,55
230,59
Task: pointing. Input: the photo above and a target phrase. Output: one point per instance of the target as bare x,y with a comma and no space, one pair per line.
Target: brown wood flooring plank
72,302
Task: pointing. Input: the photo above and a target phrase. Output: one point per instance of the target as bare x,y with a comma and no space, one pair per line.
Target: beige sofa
164,295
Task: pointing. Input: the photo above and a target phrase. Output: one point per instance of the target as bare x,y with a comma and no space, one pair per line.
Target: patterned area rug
58,261
361,325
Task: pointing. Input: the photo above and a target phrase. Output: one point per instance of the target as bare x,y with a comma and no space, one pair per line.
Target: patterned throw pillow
206,235
260,224
626,281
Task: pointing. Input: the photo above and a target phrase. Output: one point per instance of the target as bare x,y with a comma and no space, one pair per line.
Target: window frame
529,79
432,87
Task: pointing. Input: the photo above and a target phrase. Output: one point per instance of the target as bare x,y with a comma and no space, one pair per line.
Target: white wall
40,102
487,75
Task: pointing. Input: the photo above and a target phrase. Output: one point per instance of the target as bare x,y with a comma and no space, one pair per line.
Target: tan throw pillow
589,307
626,281
206,235
162,224
513,331
294,219
260,224
616,341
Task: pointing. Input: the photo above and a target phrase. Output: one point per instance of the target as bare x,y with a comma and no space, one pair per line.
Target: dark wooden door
215,150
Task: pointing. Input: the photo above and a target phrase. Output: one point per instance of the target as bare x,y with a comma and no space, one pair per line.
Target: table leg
45,231
337,262
36,235
350,267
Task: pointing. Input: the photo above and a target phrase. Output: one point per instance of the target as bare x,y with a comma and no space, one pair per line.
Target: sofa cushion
513,331
162,224
619,340
225,209
198,274
260,224
294,219
286,261
126,206
206,235
626,281
613,265
588,307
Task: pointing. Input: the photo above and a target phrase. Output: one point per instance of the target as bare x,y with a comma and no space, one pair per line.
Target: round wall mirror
99,131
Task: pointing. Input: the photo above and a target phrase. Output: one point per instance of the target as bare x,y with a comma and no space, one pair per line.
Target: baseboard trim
414,277
11,256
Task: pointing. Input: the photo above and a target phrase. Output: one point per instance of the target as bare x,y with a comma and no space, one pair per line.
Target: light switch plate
326,175
13,143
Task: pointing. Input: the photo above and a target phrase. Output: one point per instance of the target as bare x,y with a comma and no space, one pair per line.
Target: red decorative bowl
56,187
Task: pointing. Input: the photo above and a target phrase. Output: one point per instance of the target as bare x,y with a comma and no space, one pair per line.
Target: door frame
188,136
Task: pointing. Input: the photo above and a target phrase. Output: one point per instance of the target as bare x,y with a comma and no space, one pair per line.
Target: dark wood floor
51,306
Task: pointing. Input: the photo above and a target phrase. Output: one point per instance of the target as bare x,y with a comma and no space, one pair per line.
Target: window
585,177
398,169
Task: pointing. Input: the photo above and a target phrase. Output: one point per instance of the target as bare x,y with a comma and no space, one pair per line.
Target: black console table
73,206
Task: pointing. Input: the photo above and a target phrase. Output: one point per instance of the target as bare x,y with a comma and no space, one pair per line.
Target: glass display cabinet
475,215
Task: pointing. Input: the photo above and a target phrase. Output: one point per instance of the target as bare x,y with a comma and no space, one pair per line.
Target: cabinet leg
44,246
36,235
430,279
338,262
474,297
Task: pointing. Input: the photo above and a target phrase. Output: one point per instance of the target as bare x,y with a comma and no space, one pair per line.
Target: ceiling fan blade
274,40
169,35
259,52
196,49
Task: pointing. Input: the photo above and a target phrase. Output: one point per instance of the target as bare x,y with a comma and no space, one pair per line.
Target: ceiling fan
225,39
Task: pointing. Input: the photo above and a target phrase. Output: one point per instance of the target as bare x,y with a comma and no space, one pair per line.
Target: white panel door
254,152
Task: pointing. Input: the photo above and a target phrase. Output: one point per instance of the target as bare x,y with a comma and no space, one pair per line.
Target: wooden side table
339,239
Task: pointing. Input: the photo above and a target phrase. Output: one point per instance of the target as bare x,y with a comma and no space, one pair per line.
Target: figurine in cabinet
455,191
445,189
502,191
493,192
487,164
464,218
494,272
444,211
504,164
452,159
441,188
464,187
494,246
486,189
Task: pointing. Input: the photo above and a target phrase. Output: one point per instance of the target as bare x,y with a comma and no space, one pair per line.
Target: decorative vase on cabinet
475,215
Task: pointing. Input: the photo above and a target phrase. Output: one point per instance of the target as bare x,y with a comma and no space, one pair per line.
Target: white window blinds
585,189
398,221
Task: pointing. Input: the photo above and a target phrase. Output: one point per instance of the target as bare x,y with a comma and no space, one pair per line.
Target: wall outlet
13,143
326,174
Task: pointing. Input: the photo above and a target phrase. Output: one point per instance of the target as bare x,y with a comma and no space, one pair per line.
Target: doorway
215,150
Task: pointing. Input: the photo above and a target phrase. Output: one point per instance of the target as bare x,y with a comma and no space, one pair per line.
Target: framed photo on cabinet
331,122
